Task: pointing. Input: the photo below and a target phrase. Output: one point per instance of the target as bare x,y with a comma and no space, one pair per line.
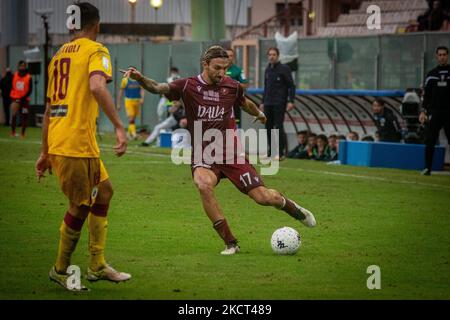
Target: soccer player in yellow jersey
134,99
78,74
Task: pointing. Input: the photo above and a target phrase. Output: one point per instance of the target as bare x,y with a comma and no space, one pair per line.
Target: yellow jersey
74,110
131,89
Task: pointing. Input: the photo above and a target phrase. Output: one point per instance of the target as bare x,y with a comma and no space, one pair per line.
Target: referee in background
436,105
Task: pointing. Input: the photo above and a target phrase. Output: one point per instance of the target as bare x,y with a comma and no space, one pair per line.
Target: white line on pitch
109,148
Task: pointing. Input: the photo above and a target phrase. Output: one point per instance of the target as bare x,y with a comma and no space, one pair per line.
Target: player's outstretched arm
251,108
148,84
97,84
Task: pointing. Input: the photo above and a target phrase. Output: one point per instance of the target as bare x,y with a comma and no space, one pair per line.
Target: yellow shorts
132,106
79,177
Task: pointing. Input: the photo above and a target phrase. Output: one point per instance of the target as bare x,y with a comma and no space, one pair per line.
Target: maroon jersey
210,105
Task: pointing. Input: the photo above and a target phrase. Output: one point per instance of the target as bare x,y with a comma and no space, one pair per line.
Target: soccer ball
285,241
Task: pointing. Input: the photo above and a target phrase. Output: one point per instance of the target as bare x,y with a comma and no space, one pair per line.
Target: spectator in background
386,122
446,15
333,145
310,147
302,138
352,136
377,136
176,115
368,139
278,97
413,26
236,73
322,152
436,17
164,104
5,88
22,87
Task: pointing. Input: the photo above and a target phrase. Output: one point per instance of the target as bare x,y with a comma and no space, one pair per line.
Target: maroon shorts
243,176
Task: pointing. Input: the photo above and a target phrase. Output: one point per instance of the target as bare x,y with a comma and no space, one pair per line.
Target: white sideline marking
357,176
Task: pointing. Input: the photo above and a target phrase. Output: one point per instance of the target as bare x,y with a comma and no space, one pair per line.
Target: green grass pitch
159,233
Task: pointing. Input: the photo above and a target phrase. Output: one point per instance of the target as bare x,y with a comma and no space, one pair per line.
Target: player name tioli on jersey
70,48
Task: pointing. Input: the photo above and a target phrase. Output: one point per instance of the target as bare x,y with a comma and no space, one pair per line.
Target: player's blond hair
214,52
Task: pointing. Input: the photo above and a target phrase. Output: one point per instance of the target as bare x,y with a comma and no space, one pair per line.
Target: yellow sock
98,228
132,129
67,244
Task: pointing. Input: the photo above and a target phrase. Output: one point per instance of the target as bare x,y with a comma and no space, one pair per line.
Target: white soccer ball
286,241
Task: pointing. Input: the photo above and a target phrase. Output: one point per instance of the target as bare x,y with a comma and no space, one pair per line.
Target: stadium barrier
388,155
335,111
342,111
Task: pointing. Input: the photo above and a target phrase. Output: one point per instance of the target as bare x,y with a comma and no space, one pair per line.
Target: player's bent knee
80,212
105,192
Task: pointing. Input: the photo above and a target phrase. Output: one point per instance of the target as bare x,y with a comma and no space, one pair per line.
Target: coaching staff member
436,105
386,122
279,93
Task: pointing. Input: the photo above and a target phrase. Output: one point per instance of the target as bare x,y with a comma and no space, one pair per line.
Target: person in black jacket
5,88
436,105
302,138
278,97
386,122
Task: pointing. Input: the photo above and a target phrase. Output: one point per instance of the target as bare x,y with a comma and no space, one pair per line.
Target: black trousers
275,119
6,106
438,121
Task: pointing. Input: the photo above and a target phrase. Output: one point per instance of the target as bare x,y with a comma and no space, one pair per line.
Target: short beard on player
214,77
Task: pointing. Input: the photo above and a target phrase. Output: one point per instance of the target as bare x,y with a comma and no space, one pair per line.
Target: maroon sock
291,209
73,222
222,228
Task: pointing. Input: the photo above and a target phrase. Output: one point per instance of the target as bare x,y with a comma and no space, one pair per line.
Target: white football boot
309,220
230,249
107,273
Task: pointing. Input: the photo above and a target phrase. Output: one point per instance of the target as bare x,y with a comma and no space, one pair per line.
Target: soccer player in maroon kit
209,99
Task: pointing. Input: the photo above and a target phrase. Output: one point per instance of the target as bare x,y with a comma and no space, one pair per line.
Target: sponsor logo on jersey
211,95
211,112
